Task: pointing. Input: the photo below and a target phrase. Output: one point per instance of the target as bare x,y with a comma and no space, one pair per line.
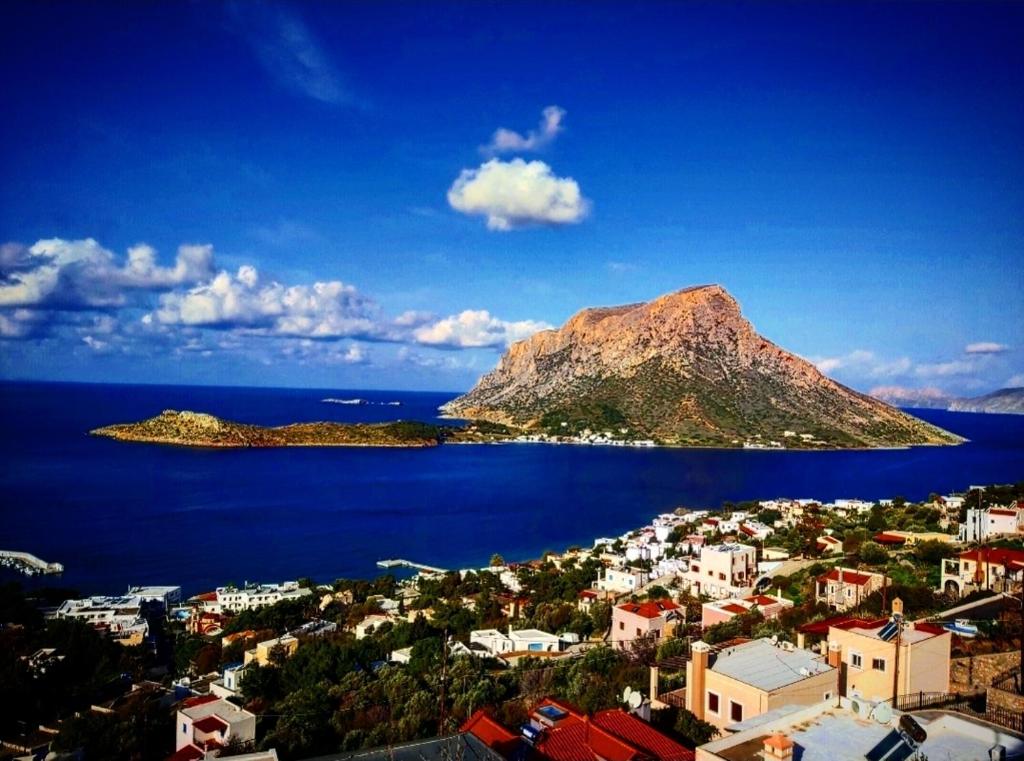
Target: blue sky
178,179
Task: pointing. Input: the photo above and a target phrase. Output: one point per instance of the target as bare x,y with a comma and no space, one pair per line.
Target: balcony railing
970,704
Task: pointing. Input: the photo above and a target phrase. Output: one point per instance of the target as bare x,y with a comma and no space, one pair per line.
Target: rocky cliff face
686,368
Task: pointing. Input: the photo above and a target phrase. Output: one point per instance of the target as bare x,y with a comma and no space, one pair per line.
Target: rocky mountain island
197,429
685,369
1005,401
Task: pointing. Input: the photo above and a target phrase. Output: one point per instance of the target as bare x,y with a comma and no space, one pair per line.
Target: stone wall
977,671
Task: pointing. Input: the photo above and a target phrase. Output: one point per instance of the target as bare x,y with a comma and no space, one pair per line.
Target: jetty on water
28,563
402,563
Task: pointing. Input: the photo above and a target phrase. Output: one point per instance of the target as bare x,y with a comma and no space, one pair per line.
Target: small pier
401,563
28,563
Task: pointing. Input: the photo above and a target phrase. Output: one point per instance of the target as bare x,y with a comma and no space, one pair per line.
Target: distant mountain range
685,369
1006,401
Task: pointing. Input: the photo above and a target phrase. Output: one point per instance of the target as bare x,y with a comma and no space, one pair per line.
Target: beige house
865,652
261,654
845,588
633,620
752,678
722,571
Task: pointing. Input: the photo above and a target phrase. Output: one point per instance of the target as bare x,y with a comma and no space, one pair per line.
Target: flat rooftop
766,666
829,733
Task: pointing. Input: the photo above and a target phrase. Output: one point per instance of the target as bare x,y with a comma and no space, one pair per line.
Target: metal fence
970,704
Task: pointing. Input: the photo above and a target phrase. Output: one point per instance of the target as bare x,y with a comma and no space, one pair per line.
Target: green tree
497,560
873,553
693,730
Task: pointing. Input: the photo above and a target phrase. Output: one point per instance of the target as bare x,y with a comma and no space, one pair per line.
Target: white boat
962,627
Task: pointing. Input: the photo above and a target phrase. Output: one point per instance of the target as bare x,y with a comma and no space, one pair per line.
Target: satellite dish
635,699
883,713
626,694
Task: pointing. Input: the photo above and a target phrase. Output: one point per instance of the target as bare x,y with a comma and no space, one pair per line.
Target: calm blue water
118,514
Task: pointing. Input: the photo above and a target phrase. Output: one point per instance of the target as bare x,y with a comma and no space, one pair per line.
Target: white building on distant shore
119,617
237,599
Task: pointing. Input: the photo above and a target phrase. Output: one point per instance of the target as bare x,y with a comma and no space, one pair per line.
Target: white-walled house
620,580
722,571
209,722
250,597
991,522
496,642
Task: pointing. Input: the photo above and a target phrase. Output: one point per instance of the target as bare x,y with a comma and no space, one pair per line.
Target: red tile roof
490,732
588,593
641,735
840,622
210,724
885,538
188,753
649,609
747,530
734,608
849,577
1002,511
761,600
205,597
998,556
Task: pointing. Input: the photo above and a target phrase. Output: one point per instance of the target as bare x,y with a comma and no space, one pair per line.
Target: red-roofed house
560,732
492,734
829,545
207,722
998,569
845,588
866,656
633,620
719,611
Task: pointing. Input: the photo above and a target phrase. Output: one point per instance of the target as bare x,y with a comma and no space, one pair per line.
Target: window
827,695
735,711
638,632
622,625
712,703
878,664
856,660
184,728
721,577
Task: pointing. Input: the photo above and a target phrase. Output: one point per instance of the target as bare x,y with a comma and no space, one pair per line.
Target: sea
119,514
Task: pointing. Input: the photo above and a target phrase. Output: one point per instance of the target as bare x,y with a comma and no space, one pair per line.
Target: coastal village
776,629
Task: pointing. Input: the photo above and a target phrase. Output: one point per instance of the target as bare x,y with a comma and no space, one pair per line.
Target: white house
722,571
620,580
494,641
209,722
229,685
120,617
235,599
534,640
990,522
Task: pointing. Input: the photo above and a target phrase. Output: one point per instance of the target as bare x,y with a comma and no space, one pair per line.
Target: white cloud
509,141
72,274
288,51
476,329
1016,381
865,363
517,193
986,347
329,309
946,369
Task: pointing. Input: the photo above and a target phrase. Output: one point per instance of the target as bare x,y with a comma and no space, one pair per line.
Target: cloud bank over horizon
78,293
